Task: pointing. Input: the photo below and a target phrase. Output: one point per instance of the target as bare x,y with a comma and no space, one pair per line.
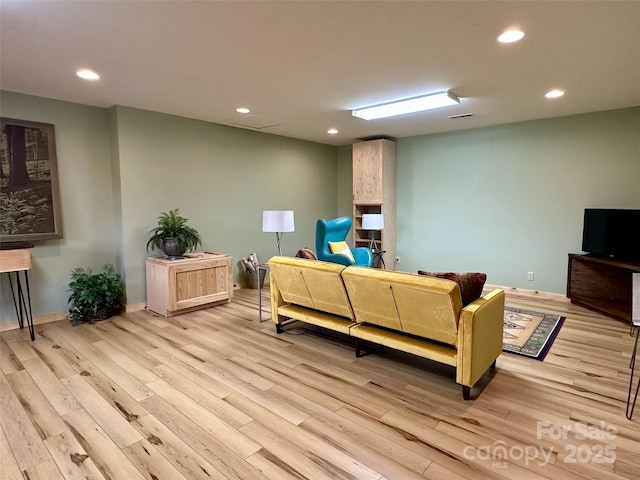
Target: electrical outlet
530,276
397,260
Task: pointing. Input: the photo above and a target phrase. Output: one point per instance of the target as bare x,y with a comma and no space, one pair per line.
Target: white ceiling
302,66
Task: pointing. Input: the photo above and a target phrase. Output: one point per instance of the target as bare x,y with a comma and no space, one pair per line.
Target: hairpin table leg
632,404
22,307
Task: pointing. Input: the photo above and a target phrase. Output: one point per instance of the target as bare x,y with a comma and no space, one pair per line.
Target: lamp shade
373,221
278,221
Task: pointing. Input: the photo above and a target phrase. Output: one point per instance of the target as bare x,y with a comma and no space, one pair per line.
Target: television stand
601,284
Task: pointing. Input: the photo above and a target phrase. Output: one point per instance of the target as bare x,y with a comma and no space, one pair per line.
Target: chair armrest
479,336
337,258
362,256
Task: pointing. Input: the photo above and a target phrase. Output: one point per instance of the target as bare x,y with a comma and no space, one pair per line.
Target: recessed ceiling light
510,36
332,131
554,93
243,110
87,74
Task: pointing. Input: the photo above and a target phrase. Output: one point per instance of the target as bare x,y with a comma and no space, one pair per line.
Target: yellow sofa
416,314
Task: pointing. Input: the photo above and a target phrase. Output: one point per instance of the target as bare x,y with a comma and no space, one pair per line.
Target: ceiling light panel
555,93
510,36
409,105
87,74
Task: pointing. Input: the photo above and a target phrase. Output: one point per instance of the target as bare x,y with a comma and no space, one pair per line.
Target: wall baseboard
135,307
524,293
54,317
50,317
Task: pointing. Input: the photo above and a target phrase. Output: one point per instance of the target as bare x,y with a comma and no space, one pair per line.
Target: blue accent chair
336,230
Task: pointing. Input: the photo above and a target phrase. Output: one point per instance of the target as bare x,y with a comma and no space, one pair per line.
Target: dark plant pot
102,314
171,248
105,313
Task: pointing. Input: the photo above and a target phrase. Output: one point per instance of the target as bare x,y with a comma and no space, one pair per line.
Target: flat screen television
613,233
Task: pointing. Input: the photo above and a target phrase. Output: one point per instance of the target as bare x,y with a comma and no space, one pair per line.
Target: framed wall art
29,193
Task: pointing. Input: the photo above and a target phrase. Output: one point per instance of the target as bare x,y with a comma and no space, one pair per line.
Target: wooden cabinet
601,284
374,191
179,286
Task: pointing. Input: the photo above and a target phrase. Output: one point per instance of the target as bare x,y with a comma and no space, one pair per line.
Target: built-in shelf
374,191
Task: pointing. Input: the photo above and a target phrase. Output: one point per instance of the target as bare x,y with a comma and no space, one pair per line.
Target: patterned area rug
529,333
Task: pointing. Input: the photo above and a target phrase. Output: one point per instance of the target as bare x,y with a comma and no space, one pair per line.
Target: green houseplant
94,296
173,236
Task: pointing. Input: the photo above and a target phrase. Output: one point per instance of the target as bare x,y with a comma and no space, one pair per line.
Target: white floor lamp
371,222
278,222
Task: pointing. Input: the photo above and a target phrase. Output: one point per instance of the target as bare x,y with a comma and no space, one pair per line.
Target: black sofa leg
279,328
357,346
493,365
360,353
466,392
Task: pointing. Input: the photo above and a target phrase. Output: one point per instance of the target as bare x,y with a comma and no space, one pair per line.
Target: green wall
221,178
86,197
121,167
345,183
509,199
505,200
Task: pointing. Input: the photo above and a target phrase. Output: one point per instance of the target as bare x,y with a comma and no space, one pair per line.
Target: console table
635,331
15,258
601,284
200,280
261,267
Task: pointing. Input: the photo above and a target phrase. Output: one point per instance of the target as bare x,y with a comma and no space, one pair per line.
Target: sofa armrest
362,256
276,302
479,336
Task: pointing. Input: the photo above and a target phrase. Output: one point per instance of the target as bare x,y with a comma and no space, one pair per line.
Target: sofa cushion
470,284
409,303
310,283
307,253
343,249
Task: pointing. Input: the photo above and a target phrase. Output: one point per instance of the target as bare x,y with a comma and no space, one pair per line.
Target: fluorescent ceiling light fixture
87,74
554,93
510,36
332,131
409,105
243,110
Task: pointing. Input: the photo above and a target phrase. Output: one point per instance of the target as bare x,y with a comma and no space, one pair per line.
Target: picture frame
29,188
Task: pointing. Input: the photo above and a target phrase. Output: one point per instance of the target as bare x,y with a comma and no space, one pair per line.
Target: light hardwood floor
214,394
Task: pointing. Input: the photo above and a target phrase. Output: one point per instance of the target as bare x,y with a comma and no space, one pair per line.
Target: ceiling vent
253,122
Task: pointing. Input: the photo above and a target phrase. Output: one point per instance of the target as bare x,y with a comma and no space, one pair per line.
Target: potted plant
94,296
173,236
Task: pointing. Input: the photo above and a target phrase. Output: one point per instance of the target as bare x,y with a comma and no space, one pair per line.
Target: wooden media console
601,284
